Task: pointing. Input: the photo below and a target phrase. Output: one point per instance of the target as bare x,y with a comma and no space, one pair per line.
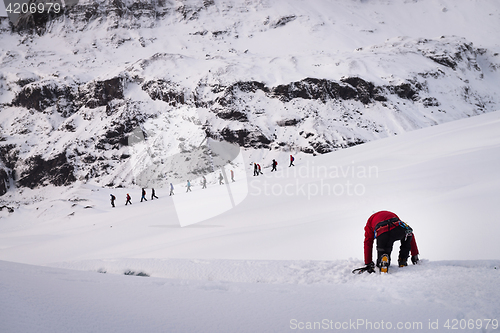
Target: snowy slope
276,262
441,180
41,299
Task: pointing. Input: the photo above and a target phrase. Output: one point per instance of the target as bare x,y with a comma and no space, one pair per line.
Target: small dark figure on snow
113,198
291,161
128,200
259,170
221,179
153,194
171,189
204,183
386,227
143,197
188,186
255,169
275,164
232,176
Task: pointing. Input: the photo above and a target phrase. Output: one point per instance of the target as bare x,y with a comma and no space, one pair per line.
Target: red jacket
370,233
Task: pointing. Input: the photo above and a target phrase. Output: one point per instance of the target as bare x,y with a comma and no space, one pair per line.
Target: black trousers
386,241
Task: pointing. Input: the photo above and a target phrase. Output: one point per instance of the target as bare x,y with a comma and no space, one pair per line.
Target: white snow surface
278,261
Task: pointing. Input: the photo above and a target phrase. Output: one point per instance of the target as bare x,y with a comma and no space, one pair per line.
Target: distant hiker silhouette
171,189
255,169
275,164
204,183
232,176
153,194
259,170
221,179
188,186
291,161
143,197
128,200
113,198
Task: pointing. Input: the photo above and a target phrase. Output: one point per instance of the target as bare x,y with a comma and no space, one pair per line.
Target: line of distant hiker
153,193
256,171
129,198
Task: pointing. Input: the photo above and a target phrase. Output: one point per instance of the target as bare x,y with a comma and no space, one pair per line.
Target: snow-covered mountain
296,76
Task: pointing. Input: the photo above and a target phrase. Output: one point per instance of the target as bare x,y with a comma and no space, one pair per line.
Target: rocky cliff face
68,112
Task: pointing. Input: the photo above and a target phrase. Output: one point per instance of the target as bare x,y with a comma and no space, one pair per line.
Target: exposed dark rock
444,60
23,82
322,147
406,91
119,133
40,96
35,22
9,209
430,101
9,155
200,33
136,274
164,91
307,150
230,93
283,20
4,182
244,138
116,14
232,115
208,3
217,88
354,142
364,89
309,88
57,171
216,34
84,13
463,53
189,13
324,90
288,122
70,127
100,93
89,159
435,74
378,95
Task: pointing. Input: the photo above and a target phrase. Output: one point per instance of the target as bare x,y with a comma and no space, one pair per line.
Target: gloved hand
414,259
370,268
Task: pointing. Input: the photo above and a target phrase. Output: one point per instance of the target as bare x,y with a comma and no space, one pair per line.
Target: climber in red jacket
386,227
